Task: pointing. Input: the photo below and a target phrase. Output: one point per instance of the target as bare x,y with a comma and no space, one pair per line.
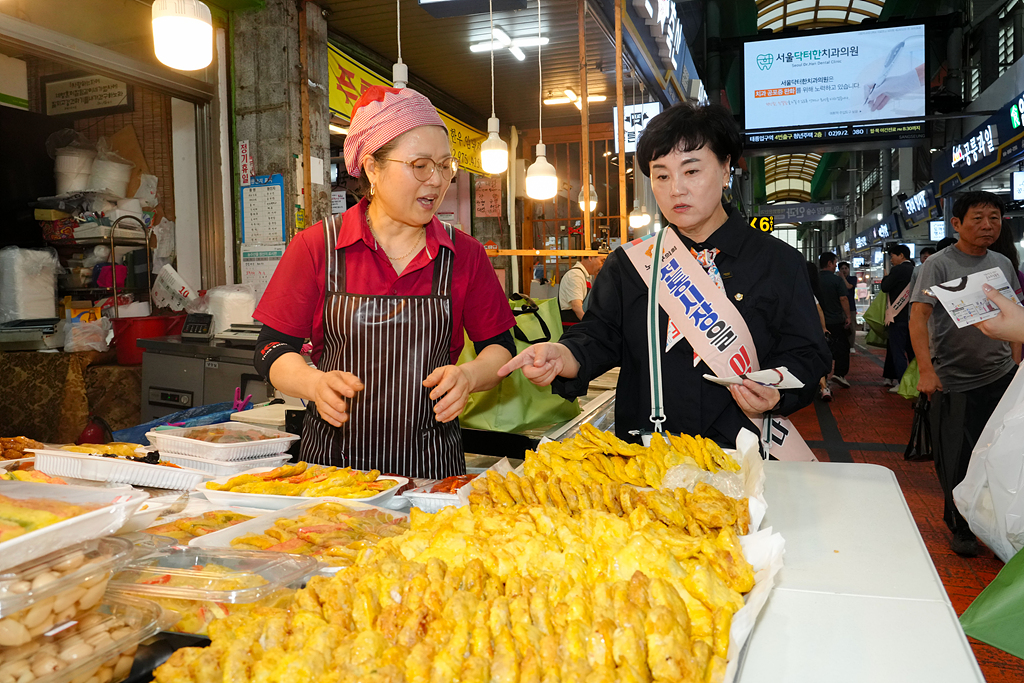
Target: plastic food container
99,646
272,502
37,596
219,468
180,441
201,584
221,540
423,499
116,470
116,506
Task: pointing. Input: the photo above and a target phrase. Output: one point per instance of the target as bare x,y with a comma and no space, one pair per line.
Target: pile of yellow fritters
641,587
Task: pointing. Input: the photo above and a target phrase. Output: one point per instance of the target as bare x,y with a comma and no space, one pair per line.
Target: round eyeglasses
423,169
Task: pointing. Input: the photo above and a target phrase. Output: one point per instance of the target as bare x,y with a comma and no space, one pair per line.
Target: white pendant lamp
636,217
493,151
399,70
593,197
541,180
646,216
183,34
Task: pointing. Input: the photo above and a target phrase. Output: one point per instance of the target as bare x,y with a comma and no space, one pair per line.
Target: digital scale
197,327
247,332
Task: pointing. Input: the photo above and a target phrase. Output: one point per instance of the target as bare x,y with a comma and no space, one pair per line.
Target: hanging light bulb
399,72
541,180
593,196
183,34
636,218
493,151
646,216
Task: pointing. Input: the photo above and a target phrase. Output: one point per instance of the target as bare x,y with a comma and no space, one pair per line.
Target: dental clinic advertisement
835,78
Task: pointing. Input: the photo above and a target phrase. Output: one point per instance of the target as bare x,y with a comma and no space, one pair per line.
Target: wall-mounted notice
79,94
245,169
259,261
488,196
263,210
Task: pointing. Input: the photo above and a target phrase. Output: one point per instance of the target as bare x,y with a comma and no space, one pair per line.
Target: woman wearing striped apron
386,293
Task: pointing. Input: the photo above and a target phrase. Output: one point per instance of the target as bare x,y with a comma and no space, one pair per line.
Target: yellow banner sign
348,81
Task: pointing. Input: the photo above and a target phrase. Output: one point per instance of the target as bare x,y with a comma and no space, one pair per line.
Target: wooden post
581,15
307,192
620,103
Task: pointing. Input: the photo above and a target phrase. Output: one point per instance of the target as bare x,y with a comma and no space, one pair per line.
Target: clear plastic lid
114,628
60,571
215,575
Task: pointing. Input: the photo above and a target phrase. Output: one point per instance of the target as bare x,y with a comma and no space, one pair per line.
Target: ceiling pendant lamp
183,34
541,180
646,216
593,196
493,151
399,71
636,217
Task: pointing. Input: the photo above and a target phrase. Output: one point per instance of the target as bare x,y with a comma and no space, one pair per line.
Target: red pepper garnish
160,580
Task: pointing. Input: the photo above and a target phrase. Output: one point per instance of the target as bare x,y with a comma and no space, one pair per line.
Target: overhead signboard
921,206
830,83
883,231
349,79
936,230
803,212
992,145
763,223
634,120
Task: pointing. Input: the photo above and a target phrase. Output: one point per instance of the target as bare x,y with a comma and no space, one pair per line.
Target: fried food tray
274,502
178,441
117,470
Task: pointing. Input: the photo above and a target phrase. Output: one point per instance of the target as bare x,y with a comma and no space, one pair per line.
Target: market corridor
866,423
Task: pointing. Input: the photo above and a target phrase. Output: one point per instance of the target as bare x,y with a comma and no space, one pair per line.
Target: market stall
593,556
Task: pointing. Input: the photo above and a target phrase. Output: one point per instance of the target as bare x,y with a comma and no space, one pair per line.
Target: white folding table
858,598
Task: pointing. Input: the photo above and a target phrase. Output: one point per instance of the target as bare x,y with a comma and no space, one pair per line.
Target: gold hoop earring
373,188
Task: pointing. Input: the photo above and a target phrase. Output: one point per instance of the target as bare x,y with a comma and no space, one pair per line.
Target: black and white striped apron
391,343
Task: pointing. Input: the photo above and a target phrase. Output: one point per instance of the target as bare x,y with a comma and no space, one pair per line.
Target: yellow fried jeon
311,481
603,456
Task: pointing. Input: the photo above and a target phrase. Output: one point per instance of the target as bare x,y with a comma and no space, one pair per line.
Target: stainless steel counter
213,349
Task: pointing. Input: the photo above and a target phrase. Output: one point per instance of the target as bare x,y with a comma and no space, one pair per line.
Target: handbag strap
653,337
529,307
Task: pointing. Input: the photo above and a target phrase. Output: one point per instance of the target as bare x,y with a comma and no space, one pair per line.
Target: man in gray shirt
963,372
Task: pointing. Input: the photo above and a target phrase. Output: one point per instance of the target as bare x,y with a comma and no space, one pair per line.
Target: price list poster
263,229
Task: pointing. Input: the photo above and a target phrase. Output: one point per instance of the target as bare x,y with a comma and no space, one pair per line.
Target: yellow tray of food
273,488
37,519
101,463
329,529
184,528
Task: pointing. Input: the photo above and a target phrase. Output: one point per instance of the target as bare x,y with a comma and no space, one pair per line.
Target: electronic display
1017,181
835,84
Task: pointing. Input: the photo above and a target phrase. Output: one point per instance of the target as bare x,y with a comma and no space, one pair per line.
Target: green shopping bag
875,318
908,383
516,404
996,616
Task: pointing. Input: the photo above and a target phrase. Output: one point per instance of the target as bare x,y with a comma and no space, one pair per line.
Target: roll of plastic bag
230,304
28,283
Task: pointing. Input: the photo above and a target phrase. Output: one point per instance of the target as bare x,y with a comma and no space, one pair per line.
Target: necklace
393,258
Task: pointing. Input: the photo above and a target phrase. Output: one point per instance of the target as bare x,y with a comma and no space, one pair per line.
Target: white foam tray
423,499
118,507
117,470
272,502
172,441
220,468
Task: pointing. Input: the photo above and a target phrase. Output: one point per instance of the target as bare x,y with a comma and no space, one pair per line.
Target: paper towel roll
28,284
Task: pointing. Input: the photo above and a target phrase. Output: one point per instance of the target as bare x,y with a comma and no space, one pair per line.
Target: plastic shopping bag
908,383
995,615
516,404
874,316
991,496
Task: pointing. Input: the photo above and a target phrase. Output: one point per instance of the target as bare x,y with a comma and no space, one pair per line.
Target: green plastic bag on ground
996,616
874,316
908,383
516,404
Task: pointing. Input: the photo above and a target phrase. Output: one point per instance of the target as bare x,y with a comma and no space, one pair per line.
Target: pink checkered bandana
381,115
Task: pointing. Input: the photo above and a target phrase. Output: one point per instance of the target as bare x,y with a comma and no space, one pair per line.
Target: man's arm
577,308
929,382
845,302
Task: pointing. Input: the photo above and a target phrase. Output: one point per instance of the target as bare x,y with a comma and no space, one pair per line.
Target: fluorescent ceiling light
579,104
485,46
529,42
338,129
596,98
557,100
517,53
830,217
501,37
570,94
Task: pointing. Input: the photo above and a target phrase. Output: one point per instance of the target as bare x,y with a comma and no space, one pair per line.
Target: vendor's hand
451,386
332,388
541,363
928,383
753,399
1009,324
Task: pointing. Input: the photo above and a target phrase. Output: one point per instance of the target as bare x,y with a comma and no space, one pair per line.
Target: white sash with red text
894,307
710,322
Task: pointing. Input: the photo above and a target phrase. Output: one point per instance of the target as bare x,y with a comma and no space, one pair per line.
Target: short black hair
826,258
901,249
945,242
927,251
968,200
687,126
843,263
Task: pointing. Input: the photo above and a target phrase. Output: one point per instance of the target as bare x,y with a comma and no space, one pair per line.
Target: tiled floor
874,426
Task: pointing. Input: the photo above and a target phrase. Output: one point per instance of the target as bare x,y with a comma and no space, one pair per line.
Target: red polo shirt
294,300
